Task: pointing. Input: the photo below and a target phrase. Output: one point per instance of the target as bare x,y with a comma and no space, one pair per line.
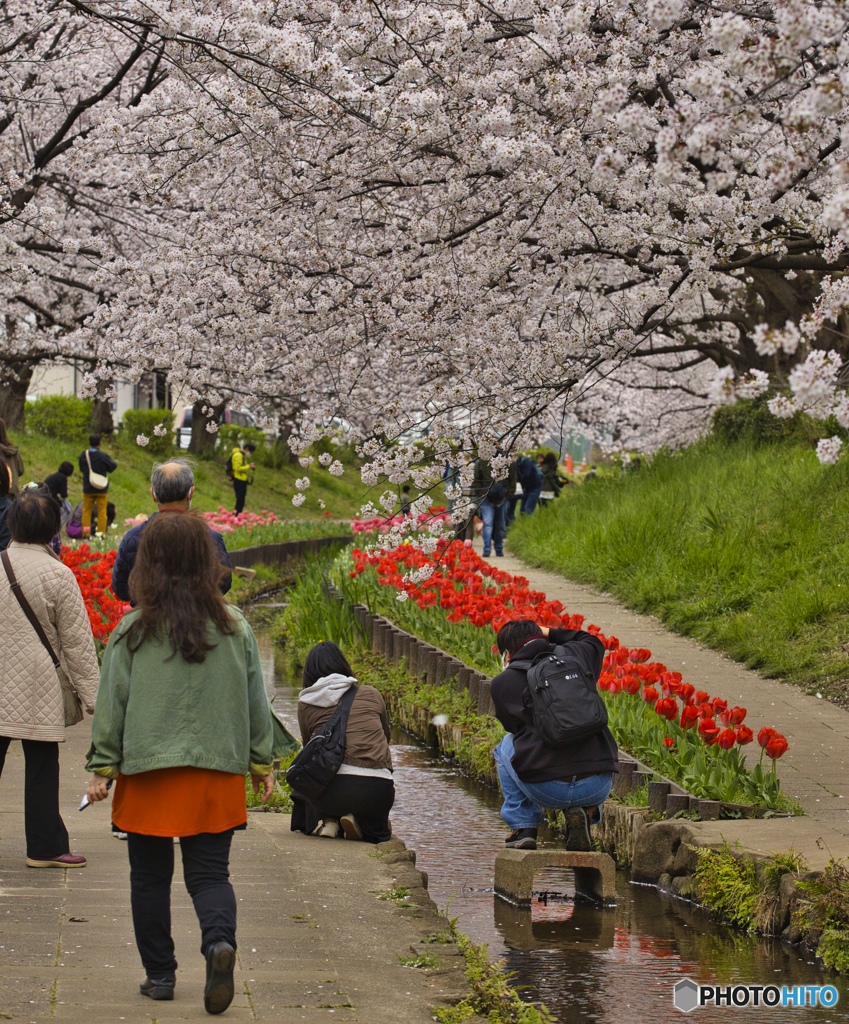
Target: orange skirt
179,802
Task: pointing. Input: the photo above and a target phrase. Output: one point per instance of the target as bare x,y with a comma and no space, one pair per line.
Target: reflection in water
615,965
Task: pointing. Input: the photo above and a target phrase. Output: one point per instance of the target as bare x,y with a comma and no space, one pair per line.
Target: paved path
815,767
316,944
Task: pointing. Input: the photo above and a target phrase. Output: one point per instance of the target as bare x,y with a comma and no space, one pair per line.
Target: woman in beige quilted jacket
31,699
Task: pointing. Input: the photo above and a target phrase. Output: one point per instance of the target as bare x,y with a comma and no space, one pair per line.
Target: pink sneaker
67,860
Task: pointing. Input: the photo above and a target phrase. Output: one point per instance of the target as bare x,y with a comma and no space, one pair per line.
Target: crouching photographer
558,751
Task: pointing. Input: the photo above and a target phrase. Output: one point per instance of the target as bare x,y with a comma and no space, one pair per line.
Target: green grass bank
742,544
129,485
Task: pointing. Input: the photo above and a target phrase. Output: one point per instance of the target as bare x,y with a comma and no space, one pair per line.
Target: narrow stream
612,965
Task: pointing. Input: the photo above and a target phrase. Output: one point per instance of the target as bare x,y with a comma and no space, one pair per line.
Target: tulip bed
93,570
378,524
457,600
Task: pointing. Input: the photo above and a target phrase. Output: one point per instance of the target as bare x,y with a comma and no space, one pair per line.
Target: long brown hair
4,437
175,583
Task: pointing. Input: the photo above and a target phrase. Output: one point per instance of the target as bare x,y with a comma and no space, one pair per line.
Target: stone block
658,793
413,656
432,660
463,678
475,686
709,810
655,848
683,886
485,705
625,779
452,669
642,778
421,661
595,873
676,803
686,859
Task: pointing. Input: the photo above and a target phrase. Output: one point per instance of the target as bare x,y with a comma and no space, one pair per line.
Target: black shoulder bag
316,766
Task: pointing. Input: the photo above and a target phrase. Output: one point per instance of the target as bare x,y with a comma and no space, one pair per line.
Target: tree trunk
15,378
101,417
202,443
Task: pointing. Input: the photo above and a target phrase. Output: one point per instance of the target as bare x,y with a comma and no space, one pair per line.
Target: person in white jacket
32,702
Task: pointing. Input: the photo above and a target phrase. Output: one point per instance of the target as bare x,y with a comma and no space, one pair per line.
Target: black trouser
205,869
369,800
241,489
46,834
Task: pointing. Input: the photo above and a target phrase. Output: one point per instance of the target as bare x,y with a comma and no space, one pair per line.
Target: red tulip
630,684
700,697
708,730
705,711
615,686
604,680
686,691
667,708
668,741
744,735
639,654
726,739
777,747
718,704
765,735
650,694
689,716
737,715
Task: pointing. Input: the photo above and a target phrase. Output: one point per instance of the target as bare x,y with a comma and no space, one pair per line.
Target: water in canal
615,965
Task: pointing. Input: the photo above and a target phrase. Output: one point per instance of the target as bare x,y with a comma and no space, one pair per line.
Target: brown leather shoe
66,860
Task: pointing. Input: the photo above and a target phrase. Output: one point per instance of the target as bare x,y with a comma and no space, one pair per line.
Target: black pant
206,871
45,831
369,800
241,489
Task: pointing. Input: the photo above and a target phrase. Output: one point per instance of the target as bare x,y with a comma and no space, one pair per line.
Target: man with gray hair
172,485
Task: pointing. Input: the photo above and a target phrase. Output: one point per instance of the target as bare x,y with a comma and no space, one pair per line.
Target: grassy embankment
129,485
743,545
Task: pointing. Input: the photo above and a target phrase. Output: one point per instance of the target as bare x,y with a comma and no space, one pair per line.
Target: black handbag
316,766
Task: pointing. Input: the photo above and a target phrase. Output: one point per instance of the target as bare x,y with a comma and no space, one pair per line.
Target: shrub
143,421
64,416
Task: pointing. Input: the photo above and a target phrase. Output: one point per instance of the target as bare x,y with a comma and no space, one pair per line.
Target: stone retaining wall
285,551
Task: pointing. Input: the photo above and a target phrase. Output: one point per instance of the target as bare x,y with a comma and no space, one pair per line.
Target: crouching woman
181,717
357,802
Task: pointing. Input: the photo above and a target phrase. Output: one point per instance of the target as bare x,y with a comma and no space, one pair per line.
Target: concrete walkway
814,769
316,944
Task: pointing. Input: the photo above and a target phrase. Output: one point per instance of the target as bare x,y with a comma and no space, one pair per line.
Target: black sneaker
158,988
577,830
522,839
219,990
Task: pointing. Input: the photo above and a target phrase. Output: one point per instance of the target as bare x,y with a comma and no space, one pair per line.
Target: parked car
183,431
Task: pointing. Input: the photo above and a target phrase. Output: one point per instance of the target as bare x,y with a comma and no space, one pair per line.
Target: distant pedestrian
5,504
57,484
172,487
450,478
182,717
74,524
405,501
95,462
551,485
12,457
529,476
493,495
33,693
592,473
239,469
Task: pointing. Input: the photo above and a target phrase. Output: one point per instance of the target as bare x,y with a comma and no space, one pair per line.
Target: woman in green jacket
181,717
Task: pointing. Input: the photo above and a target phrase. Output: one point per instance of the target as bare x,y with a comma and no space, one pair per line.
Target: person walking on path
12,457
32,690
172,487
95,461
240,466
494,495
551,486
577,776
182,716
357,802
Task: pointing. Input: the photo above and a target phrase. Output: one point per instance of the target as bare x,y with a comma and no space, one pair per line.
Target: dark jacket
126,559
528,475
551,480
483,480
100,463
532,759
57,484
5,536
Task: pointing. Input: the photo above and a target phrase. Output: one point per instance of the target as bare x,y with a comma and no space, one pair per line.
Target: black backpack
496,493
316,766
228,466
566,702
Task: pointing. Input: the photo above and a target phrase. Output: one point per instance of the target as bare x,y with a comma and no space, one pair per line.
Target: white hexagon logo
686,995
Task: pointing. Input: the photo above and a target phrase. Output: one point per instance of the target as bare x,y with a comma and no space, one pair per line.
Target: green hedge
64,416
143,421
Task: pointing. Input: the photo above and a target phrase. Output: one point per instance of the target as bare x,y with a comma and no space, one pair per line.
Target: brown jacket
12,457
31,704
367,734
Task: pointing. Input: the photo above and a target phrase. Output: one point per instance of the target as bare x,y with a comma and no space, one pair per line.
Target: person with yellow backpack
237,469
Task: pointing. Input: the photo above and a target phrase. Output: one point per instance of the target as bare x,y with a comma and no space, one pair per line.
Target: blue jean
494,526
529,501
524,801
